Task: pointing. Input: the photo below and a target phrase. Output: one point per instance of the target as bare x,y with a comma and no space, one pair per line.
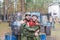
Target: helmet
27,13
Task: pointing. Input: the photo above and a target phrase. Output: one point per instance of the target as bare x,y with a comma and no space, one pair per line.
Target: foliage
39,4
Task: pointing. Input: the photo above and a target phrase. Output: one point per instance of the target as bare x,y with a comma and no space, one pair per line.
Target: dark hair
27,15
35,16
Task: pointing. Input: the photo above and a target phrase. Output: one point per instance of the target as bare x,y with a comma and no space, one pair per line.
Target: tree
40,5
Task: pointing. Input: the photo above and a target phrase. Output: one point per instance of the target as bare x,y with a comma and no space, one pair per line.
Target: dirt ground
4,28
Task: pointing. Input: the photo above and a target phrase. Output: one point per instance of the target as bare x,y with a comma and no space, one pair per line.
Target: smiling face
28,17
34,18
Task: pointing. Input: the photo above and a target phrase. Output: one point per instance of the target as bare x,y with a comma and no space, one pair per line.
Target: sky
1,0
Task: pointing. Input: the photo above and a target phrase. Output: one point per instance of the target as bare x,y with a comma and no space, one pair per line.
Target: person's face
28,17
34,18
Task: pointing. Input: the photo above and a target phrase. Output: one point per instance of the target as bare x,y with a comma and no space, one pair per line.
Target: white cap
27,13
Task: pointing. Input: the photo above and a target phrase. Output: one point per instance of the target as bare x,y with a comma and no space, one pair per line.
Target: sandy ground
4,28
55,34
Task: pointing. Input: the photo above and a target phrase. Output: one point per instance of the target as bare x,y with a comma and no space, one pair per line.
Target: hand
36,34
37,24
22,22
37,31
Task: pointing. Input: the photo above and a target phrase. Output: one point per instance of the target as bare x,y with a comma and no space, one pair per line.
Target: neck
27,20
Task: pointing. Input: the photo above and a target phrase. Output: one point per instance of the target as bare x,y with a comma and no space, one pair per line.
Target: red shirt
31,23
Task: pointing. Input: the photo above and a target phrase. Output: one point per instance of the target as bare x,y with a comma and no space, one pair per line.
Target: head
28,16
34,17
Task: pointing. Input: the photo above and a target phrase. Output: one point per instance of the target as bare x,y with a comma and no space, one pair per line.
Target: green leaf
28,1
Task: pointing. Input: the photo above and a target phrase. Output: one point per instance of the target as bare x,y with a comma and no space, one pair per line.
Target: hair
27,15
35,16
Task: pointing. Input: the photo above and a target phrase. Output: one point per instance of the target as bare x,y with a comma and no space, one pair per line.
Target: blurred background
8,8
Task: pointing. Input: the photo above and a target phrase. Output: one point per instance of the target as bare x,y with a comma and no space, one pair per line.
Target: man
27,17
25,21
15,27
35,20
